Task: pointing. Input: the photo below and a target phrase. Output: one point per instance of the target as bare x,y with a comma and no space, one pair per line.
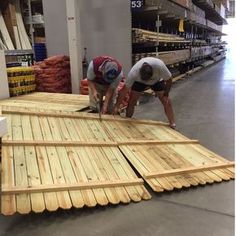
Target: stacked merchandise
13,34
142,36
84,90
40,51
53,75
21,80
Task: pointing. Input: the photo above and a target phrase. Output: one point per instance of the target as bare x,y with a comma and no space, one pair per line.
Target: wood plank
8,203
71,186
119,173
209,155
22,200
156,186
119,194
128,172
17,38
5,34
81,116
144,156
157,142
175,160
22,32
51,201
10,20
76,196
95,144
163,161
188,170
57,143
87,134
113,165
70,132
56,170
37,200
194,157
115,158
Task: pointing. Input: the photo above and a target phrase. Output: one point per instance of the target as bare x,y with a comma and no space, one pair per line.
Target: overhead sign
137,4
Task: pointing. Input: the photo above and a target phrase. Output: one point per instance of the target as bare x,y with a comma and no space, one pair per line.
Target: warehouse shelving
34,20
201,37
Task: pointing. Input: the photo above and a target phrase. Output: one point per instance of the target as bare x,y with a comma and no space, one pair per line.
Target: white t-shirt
160,72
91,76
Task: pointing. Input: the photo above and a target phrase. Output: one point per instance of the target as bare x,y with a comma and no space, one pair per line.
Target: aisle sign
136,4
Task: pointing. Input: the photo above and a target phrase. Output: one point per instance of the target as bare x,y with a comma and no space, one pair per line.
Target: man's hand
96,96
115,110
104,109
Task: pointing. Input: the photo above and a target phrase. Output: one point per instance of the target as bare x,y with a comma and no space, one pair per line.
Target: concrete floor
204,107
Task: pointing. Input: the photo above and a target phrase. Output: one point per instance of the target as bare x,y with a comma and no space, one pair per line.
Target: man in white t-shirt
148,73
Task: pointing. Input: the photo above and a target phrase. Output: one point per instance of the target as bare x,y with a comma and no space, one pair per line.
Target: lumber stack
201,52
168,57
12,29
141,36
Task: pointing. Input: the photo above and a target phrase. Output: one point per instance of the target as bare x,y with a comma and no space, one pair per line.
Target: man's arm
108,97
93,90
90,78
120,98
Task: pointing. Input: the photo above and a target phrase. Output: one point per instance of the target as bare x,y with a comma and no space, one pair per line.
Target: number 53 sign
137,4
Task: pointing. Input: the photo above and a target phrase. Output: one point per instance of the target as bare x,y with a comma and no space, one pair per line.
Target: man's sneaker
173,126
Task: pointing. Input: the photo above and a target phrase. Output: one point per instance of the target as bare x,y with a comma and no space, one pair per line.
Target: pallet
57,159
55,101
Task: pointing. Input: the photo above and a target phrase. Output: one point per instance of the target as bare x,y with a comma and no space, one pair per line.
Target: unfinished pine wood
37,199
22,32
8,202
188,170
74,115
92,143
63,187
20,168
166,158
64,159
49,101
6,37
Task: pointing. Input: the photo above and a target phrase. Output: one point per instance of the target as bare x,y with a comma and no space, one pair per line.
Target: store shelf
18,52
213,12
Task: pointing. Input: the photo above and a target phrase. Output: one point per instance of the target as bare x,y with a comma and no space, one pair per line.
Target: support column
74,37
4,88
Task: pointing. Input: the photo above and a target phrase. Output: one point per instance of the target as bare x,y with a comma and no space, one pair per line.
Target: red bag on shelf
53,75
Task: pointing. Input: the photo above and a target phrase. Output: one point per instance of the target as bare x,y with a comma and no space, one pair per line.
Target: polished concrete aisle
204,108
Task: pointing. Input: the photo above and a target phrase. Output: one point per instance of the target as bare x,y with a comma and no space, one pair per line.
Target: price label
137,4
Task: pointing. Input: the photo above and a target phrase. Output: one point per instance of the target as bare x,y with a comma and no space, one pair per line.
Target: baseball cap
110,71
